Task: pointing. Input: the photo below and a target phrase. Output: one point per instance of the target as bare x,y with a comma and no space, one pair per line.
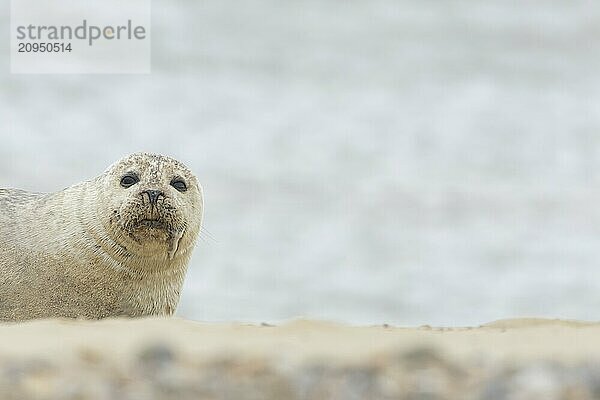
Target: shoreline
180,359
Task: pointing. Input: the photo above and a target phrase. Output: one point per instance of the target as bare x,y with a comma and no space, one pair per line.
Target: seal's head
155,205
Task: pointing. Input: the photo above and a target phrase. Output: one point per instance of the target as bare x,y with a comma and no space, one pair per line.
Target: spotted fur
97,249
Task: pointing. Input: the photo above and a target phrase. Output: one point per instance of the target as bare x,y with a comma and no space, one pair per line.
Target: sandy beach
181,359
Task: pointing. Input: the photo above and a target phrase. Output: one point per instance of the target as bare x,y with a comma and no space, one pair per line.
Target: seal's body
116,245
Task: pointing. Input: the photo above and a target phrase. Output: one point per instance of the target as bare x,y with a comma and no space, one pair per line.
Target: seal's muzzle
153,195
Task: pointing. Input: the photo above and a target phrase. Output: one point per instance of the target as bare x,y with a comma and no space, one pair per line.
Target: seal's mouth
153,226
152,223
150,227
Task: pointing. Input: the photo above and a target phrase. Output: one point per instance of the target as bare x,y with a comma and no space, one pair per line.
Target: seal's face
156,205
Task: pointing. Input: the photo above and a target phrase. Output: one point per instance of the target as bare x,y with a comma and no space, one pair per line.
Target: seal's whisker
203,239
205,234
206,231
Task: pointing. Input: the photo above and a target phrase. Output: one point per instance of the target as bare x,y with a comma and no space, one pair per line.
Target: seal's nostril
153,195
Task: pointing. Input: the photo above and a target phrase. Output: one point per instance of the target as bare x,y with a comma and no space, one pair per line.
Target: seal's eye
129,180
179,184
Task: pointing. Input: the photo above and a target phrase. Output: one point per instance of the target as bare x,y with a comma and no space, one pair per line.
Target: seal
115,245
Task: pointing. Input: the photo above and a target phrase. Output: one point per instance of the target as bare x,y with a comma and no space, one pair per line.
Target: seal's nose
153,195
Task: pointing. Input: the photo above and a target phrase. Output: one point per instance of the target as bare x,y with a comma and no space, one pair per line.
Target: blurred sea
402,162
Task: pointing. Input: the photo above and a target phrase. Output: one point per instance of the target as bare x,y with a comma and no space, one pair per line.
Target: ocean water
404,162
